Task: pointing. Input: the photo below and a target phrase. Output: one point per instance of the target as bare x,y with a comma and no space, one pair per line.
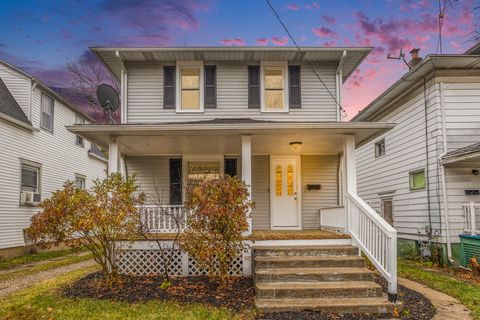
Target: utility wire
304,59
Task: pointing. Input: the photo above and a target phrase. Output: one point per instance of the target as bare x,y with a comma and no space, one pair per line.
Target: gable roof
51,92
113,58
9,106
382,104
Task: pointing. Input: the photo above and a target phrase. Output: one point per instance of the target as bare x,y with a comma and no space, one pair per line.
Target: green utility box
469,248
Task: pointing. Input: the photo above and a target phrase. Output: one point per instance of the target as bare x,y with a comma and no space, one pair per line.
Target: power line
303,56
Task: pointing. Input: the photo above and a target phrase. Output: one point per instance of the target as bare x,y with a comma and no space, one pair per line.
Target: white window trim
83,177
377,143
53,113
178,83
39,177
267,64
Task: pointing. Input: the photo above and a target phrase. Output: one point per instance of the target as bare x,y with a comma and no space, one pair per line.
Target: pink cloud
262,41
233,42
293,7
279,41
312,6
329,19
324,32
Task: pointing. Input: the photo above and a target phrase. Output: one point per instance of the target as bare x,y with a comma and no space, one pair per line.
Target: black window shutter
231,167
294,87
175,181
169,87
210,87
254,87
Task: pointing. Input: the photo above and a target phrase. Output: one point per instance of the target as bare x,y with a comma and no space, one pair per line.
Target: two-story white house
37,153
423,176
270,116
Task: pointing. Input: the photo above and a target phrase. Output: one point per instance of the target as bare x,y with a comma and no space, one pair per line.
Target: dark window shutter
231,167
169,87
254,87
210,87
294,87
175,181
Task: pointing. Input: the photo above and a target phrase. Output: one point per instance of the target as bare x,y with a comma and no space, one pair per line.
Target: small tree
214,233
94,219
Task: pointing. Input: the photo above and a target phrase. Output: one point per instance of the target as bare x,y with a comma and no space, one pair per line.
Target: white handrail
333,218
375,237
164,218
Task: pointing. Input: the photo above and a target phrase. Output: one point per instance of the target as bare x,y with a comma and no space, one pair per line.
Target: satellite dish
108,98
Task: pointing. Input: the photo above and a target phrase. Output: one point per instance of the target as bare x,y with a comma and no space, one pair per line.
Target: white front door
284,192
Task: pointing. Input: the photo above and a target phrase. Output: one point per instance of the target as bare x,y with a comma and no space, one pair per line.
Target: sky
42,36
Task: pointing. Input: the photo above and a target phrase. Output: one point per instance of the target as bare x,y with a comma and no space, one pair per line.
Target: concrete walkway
447,308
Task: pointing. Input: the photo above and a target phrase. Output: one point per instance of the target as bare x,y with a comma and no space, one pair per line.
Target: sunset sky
42,36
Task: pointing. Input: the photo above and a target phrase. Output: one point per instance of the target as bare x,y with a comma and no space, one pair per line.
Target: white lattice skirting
140,258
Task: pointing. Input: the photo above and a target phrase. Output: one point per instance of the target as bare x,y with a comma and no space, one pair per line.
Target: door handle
295,196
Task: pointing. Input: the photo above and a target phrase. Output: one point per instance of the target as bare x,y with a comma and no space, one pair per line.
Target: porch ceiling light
296,145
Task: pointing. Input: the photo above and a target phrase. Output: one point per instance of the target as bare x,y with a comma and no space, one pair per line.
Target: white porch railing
333,218
164,218
375,237
471,211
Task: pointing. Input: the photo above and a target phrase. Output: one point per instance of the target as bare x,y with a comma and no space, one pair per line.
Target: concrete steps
323,278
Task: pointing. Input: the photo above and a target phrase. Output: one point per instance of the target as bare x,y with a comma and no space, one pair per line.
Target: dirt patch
237,295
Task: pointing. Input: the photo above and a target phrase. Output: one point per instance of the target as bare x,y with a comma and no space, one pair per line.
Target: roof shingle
9,106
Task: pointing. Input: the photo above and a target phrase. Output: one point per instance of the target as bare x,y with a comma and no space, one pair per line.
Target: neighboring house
37,153
422,176
261,114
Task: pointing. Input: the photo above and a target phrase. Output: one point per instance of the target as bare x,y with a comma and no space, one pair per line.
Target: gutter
18,122
444,178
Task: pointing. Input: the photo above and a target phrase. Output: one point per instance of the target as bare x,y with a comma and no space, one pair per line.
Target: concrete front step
333,305
318,251
309,261
313,274
297,289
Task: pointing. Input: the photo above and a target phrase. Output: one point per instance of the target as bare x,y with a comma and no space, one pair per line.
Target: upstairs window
274,84
417,180
30,178
190,98
380,148
46,119
79,140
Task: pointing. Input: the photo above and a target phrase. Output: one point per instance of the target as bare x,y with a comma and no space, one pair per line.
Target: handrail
375,238
164,218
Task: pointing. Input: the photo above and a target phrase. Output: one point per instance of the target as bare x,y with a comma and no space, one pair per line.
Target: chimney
415,58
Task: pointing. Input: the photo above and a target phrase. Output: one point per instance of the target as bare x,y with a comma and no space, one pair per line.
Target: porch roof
221,135
466,153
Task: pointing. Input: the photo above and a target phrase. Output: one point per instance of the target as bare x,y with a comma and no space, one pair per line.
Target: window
80,181
199,171
46,120
417,180
79,140
30,178
274,89
379,148
190,83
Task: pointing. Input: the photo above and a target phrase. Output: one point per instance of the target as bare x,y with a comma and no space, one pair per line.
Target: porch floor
296,235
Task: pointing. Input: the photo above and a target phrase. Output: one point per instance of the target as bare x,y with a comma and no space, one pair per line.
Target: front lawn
467,293
43,301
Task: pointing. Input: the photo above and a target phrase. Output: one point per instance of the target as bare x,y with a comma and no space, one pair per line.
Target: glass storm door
285,202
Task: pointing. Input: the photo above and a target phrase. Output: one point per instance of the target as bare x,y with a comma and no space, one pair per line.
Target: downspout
30,97
427,156
446,217
338,76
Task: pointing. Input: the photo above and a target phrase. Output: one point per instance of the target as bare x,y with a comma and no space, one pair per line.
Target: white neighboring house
423,176
37,153
262,114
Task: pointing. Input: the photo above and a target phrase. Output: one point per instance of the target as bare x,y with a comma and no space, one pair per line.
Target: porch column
247,172
350,166
113,156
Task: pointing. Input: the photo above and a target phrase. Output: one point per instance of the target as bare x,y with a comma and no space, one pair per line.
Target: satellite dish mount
109,101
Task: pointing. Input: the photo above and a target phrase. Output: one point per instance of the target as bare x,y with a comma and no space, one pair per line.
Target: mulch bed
238,295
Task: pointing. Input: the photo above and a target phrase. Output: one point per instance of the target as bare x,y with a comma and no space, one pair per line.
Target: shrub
94,219
218,219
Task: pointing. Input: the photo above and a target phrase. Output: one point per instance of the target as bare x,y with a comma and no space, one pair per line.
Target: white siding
60,160
145,96
261,192
405,152
18,85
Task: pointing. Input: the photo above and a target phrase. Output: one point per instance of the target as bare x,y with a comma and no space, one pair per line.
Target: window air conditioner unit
30,198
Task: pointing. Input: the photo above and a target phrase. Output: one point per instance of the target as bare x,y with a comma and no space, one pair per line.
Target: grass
69,259
467,293
30,258
43,301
